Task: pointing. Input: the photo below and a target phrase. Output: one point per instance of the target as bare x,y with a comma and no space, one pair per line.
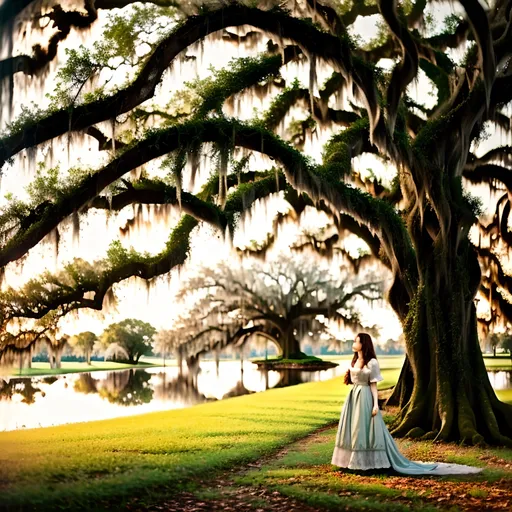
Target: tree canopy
285,300
84,342
134,336
151,146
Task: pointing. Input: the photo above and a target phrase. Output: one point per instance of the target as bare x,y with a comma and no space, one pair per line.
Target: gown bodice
370,372
360,376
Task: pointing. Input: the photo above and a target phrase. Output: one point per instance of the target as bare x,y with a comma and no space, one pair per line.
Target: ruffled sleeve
375,375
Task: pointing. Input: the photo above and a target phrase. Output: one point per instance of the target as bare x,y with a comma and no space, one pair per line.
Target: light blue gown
363,441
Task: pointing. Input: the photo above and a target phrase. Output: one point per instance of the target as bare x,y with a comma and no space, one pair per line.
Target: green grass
501,362
77,465
505,395
102,464
74,367
278,359
305,473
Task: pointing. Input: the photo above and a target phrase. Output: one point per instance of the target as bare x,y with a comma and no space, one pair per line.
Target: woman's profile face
357,346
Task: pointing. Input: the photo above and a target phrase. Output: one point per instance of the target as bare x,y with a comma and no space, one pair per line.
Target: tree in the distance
134,336
84,344
494,341
506,344
287,300
165,342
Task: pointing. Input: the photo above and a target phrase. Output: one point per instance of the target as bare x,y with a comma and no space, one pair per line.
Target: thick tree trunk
58,358
290,345
443,390
180,359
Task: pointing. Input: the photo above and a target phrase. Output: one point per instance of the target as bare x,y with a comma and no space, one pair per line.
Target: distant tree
290,300
115,352
56,347
393,347
494,340
165,343
134,336
84,343
506,343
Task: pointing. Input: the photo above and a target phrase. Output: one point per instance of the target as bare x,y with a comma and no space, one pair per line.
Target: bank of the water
39,369
102,463
499,362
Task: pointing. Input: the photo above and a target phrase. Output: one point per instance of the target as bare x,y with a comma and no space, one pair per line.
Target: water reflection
500,379
24,388
45,401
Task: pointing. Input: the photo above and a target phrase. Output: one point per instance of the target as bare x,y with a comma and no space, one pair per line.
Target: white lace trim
360,459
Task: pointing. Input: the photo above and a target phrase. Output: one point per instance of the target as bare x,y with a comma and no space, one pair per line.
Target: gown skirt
363,441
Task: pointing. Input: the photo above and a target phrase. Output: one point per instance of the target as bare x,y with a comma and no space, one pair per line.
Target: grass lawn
501,362
304,472
103,464
74,367
98,464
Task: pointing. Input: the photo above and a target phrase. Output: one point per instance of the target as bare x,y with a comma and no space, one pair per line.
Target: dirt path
222,494
239,498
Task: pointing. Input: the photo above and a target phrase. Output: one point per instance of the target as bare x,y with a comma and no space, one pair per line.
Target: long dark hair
368,353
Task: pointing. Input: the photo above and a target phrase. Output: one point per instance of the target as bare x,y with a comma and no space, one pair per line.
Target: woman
363,440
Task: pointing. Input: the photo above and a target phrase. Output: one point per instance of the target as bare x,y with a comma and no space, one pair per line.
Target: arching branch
378,215
480,26
156,192
328,47
71,289
64,21
406,70
487,173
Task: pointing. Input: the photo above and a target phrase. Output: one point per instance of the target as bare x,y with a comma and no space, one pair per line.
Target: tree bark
290,345
58,356
443,391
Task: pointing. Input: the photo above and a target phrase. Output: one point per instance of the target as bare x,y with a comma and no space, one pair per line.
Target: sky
151,227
